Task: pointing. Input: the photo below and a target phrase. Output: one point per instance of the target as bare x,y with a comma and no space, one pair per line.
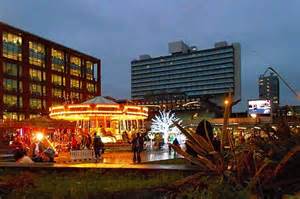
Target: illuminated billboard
259,107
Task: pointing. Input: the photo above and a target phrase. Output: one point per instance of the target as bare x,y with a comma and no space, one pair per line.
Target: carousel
113,121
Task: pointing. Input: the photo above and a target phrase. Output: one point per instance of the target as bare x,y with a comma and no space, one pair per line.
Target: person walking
137,148
97,146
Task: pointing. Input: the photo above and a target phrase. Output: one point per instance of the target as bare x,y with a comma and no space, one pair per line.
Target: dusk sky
118,31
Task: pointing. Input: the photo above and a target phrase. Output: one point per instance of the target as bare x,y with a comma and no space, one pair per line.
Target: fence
82,154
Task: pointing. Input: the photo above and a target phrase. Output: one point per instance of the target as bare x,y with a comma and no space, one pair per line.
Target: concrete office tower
37,73
187,75
269,89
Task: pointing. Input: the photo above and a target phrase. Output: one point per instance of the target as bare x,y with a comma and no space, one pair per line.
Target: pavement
124,157
112,160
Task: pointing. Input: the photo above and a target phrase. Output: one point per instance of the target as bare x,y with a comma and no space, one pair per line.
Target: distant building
187,76
37,73
269,89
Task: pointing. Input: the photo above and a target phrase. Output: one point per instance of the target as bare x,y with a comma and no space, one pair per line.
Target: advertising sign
259,107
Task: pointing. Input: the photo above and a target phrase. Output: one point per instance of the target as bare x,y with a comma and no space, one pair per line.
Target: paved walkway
122,157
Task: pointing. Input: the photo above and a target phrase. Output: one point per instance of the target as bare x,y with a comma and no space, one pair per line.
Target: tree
164,123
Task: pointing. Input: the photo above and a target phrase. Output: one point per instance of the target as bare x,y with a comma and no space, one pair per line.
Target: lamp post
227,111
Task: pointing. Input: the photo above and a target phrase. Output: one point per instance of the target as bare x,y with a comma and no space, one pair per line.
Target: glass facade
12,46
194,74
57,60
75,66
36,54
11,69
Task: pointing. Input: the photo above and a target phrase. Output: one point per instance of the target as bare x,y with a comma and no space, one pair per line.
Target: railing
82,154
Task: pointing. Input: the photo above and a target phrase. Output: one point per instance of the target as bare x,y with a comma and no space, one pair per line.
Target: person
241,138
22,158
73,142
176,143
170,141
137,148
37,150
88,141
98,145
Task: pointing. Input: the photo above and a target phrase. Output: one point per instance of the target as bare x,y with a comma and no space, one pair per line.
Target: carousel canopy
99,100
98,107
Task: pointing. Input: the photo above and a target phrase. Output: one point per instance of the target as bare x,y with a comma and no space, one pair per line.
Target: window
58,80
75,64
58,60
35,103
10,115
12,46
89,70
10,100
10,85
74,95
11,69
36,54
57,92
35,75
37,89
90,87
75,83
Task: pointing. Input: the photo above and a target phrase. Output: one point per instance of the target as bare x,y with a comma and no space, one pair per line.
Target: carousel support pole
137,124
104,122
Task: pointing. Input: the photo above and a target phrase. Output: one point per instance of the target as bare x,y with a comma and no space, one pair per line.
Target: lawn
87,183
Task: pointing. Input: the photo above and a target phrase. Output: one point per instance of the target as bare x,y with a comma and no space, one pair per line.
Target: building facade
269,89
188,78
36,73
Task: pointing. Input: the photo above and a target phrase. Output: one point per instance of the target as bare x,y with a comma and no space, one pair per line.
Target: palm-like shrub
263,165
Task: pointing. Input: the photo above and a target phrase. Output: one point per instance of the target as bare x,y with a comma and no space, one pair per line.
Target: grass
91,183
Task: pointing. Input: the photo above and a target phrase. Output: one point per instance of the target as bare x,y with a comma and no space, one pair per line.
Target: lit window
90,87
35,103
75,83
10,85
11,69
75,95
12,46
89,70
10,100
58,60
36,54
10,115
35,75
75,66
58,80
57,92
37,89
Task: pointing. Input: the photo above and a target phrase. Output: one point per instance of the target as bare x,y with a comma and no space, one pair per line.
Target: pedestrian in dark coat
137,147
98,144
